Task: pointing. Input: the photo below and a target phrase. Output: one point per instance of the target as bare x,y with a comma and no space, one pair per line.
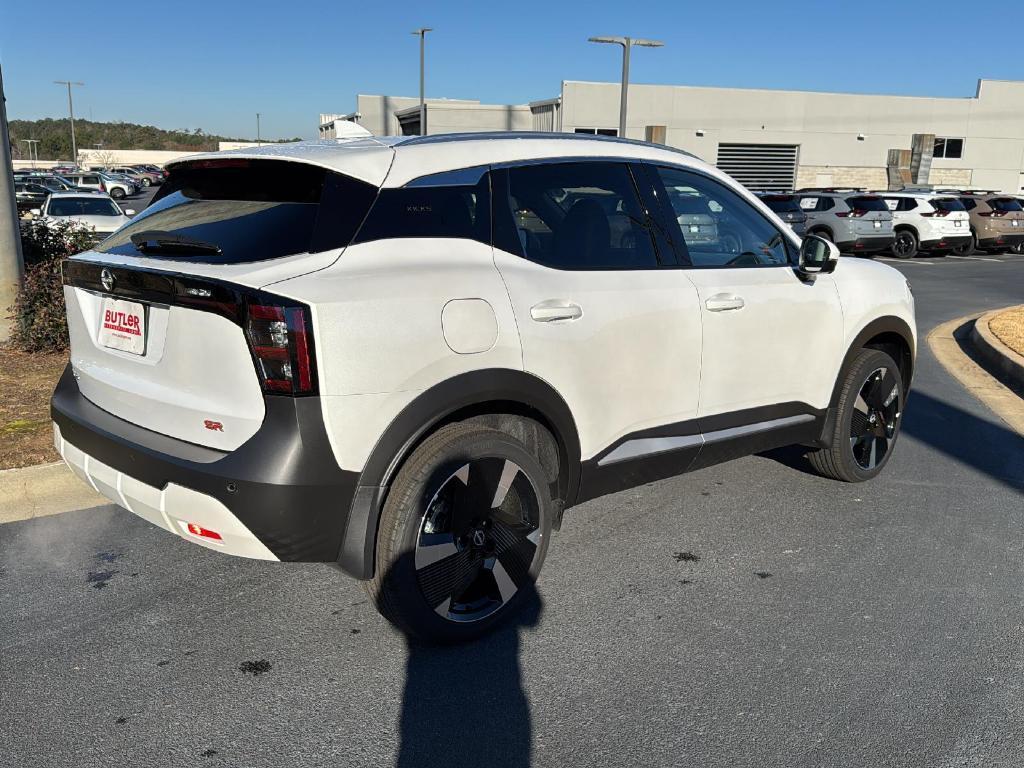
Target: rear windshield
867,203
949,204
82,206
782,203
1005,204
246,210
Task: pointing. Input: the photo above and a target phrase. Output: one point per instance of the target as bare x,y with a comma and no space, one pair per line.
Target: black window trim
792,249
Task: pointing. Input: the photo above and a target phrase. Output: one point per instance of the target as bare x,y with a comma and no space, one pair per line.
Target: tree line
55,137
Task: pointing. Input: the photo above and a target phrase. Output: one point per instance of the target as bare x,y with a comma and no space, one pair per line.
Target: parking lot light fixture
422,32
627,43
71,115
259,142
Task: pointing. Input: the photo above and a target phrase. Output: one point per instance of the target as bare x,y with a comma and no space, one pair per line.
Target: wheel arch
817,229
512,401
890,334
904,227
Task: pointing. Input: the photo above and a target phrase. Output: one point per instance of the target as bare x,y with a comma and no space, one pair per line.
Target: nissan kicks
409,356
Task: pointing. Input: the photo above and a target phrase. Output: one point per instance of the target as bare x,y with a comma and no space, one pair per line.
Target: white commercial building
767,138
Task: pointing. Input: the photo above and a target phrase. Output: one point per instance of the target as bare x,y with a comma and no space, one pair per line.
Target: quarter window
579,216
459,211
719,227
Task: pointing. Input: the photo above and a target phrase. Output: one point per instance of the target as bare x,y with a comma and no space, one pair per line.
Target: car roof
400,159
83,195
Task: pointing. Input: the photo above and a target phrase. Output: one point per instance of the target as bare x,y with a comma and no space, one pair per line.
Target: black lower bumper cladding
283,483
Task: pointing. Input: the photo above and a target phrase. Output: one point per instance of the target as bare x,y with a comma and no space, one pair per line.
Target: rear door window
236,211
579,216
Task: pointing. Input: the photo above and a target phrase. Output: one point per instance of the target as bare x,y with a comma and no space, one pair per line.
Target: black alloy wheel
876,411
905,245
478,539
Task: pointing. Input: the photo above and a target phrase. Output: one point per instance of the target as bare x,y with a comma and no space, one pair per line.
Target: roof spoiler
832,189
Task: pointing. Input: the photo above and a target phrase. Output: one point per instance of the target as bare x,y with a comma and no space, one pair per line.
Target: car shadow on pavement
986,446
464,706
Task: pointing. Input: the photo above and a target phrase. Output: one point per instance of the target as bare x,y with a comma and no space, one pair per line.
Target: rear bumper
280,496
867,244
1001,240
948,241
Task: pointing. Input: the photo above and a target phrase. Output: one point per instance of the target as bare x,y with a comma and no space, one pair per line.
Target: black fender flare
418,419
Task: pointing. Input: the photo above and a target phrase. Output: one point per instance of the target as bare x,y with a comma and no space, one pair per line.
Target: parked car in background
97,212
29,194
134,184
96,180
145,178
54,182
787,206
857,222
926,221
421,409
997,221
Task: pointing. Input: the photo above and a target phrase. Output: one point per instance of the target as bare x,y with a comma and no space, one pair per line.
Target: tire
1018,249
449,567
905,246
146,182
861,447
968,248
117,193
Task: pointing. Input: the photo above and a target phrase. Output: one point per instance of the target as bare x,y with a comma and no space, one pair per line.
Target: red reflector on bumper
206,533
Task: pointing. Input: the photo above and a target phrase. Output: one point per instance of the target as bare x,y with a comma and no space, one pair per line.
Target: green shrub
40,323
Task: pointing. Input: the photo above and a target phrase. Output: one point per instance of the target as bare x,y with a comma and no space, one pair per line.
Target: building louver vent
768,167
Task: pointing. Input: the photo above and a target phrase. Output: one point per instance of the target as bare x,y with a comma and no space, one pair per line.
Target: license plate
878,225
956,223
123,325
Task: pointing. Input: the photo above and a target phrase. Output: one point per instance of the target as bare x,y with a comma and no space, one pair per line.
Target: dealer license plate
123,325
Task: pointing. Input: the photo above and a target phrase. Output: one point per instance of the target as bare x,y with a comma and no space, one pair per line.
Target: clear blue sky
213,64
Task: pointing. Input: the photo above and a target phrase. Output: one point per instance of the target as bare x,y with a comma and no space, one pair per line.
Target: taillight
931,214
857,212
281,343
989,214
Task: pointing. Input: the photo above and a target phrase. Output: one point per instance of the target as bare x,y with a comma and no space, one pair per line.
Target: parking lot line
974,258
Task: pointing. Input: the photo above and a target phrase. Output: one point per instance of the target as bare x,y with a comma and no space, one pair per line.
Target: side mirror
129,211
817,255
36,212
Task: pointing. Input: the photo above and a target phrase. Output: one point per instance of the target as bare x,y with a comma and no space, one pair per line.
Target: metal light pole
627,43
258,142
422,32
33,153
71,114
12,266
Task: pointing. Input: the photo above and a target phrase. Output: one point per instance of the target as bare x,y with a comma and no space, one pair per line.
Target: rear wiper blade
160,240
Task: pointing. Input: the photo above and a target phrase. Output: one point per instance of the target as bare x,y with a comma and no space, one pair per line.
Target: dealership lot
747,614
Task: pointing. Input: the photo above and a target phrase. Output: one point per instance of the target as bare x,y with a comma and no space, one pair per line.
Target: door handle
555,309
722,302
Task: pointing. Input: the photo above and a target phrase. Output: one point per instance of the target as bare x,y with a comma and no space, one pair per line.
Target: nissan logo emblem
107,279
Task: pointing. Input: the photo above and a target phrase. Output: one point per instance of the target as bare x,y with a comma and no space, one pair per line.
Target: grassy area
1008,327
26,383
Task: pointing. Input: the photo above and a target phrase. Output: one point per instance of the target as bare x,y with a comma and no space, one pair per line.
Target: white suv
926,221
408,356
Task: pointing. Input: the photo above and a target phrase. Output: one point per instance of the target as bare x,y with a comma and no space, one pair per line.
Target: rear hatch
951,216
169,328
695,220
870,216
1007,216
787,207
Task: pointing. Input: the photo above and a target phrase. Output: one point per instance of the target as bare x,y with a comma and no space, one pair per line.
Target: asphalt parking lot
750,614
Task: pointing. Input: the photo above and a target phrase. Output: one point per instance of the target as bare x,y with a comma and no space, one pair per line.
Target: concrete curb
994,352
45,489
949,343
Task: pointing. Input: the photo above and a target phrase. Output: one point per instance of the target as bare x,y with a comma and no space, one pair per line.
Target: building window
598,131
950,148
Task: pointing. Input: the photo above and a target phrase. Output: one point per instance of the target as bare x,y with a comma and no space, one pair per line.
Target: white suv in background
408,356
926,221
857,221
